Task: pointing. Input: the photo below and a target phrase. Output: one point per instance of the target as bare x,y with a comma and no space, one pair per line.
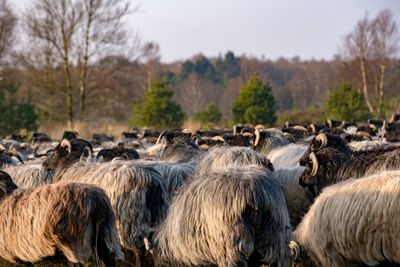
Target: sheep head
7,185
66,153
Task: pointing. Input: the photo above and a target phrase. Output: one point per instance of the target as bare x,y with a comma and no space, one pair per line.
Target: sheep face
7,185
321,167
66,153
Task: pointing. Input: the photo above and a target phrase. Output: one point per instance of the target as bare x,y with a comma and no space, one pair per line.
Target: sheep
136,191
352,223
266,140
225,156
329,165
369,145
287,156
297,199
174,175
29,176
74,219
107,154
176,153
229,217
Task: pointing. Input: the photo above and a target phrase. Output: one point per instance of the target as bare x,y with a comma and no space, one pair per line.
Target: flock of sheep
300,195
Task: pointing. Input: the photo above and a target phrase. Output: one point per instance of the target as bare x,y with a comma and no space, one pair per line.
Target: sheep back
355,221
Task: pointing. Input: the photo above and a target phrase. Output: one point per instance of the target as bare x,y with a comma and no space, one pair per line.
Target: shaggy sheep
75,219
287,156
297,198
352,223
29,176
369,145
231,217
329,165
176,153
119,151
136,191
137,194
226,156
174,175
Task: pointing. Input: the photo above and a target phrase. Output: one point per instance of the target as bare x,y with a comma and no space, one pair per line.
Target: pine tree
255,104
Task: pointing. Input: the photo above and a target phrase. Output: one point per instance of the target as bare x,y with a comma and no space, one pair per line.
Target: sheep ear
65,143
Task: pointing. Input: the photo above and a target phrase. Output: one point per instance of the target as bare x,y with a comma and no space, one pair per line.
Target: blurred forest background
74,64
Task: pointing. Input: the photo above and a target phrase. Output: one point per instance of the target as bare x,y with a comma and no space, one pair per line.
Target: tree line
79,62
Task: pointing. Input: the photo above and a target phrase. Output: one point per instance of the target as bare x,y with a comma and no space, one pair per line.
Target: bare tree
358,45
385,45
55,23
101,30
7,25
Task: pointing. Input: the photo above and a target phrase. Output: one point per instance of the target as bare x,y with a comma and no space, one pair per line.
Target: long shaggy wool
224,217
176,153
29,176
64,217
136,191
370,145
275,138
227,156
174,175
296,198
287,156
356,221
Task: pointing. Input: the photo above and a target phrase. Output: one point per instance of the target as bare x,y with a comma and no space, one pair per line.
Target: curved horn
2,148
149,246
313,128
65,143
290,137
234,129
257,133
295,249
259,126
315,164
300,128
160,136
187,131
329,122
15,153
218,138
323,139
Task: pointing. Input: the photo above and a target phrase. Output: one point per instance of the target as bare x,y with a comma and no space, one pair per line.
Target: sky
310,29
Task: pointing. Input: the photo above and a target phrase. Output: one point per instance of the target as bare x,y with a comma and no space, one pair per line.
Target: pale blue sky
269,28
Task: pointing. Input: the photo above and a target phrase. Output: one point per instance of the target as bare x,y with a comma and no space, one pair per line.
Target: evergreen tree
157,110
16,114
209,115
255,104
347,103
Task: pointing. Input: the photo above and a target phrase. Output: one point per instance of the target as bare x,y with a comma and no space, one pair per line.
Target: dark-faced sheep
329,165
75,219
353,223
136,191
230,217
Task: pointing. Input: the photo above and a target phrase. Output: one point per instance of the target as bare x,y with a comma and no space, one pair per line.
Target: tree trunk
381,88
84,70
365,86
70,101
